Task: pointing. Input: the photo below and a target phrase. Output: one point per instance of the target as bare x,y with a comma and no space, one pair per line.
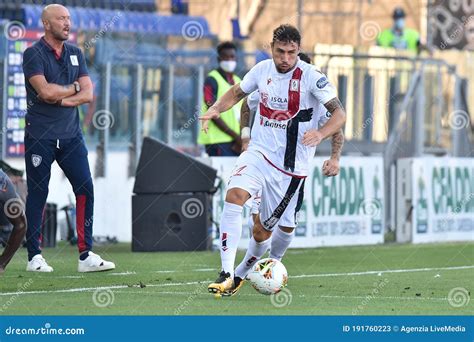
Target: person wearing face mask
225,138
399,37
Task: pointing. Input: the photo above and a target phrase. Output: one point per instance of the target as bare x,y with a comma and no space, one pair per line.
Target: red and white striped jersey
289,105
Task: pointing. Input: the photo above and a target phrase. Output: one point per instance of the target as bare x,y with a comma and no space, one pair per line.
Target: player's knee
286,229
260,234
237,196
85,188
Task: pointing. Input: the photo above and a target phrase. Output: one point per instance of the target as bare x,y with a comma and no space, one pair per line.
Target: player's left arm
314,137
331,166
337,120
85,95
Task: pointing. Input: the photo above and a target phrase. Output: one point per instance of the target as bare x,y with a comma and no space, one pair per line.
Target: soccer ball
268,276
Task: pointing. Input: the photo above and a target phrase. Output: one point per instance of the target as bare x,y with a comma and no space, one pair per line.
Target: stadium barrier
435,199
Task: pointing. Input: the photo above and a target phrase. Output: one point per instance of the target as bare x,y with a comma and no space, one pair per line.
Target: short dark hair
286,33
224,46
304,57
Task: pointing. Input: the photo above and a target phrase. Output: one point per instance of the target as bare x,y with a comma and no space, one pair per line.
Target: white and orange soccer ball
268,276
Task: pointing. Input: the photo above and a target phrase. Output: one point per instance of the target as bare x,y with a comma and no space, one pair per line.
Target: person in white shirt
281,240
284,138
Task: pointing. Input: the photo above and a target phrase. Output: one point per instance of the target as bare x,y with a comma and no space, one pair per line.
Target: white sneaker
94,263
38,264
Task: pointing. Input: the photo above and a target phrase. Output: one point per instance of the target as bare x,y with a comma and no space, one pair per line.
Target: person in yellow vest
399,37
223,138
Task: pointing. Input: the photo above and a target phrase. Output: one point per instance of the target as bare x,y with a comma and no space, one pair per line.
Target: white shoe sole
40,270
95,269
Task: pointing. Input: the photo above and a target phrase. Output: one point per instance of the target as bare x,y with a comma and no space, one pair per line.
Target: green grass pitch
413,280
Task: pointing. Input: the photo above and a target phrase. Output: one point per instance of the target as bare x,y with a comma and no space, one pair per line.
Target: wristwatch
77,87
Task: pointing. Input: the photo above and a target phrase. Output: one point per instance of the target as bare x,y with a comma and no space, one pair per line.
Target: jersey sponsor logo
322,82
272,124
275,99
36,160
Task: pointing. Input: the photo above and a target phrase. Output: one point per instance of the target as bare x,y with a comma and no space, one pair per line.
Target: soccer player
57,81
12,209
280,240
284,137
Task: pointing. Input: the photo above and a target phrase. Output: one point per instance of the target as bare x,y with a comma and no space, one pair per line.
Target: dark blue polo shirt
49,121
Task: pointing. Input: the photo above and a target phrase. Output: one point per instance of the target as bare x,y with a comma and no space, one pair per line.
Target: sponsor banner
443,199
344,210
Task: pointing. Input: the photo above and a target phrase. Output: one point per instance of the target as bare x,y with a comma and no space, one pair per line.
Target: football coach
57,81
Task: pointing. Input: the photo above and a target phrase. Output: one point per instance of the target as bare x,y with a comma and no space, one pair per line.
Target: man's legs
258,245
246,180
39,155
276,207
72,158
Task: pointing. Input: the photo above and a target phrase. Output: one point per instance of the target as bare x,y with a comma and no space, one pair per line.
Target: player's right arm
236,93
226,102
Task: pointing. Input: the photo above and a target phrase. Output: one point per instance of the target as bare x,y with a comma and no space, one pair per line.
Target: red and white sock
230,232
254,253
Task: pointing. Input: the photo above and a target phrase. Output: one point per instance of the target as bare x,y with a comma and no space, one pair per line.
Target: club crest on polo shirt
74,60
36,160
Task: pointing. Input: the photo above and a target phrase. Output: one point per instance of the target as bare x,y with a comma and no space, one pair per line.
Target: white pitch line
386,297
122,273
382,272
86,289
